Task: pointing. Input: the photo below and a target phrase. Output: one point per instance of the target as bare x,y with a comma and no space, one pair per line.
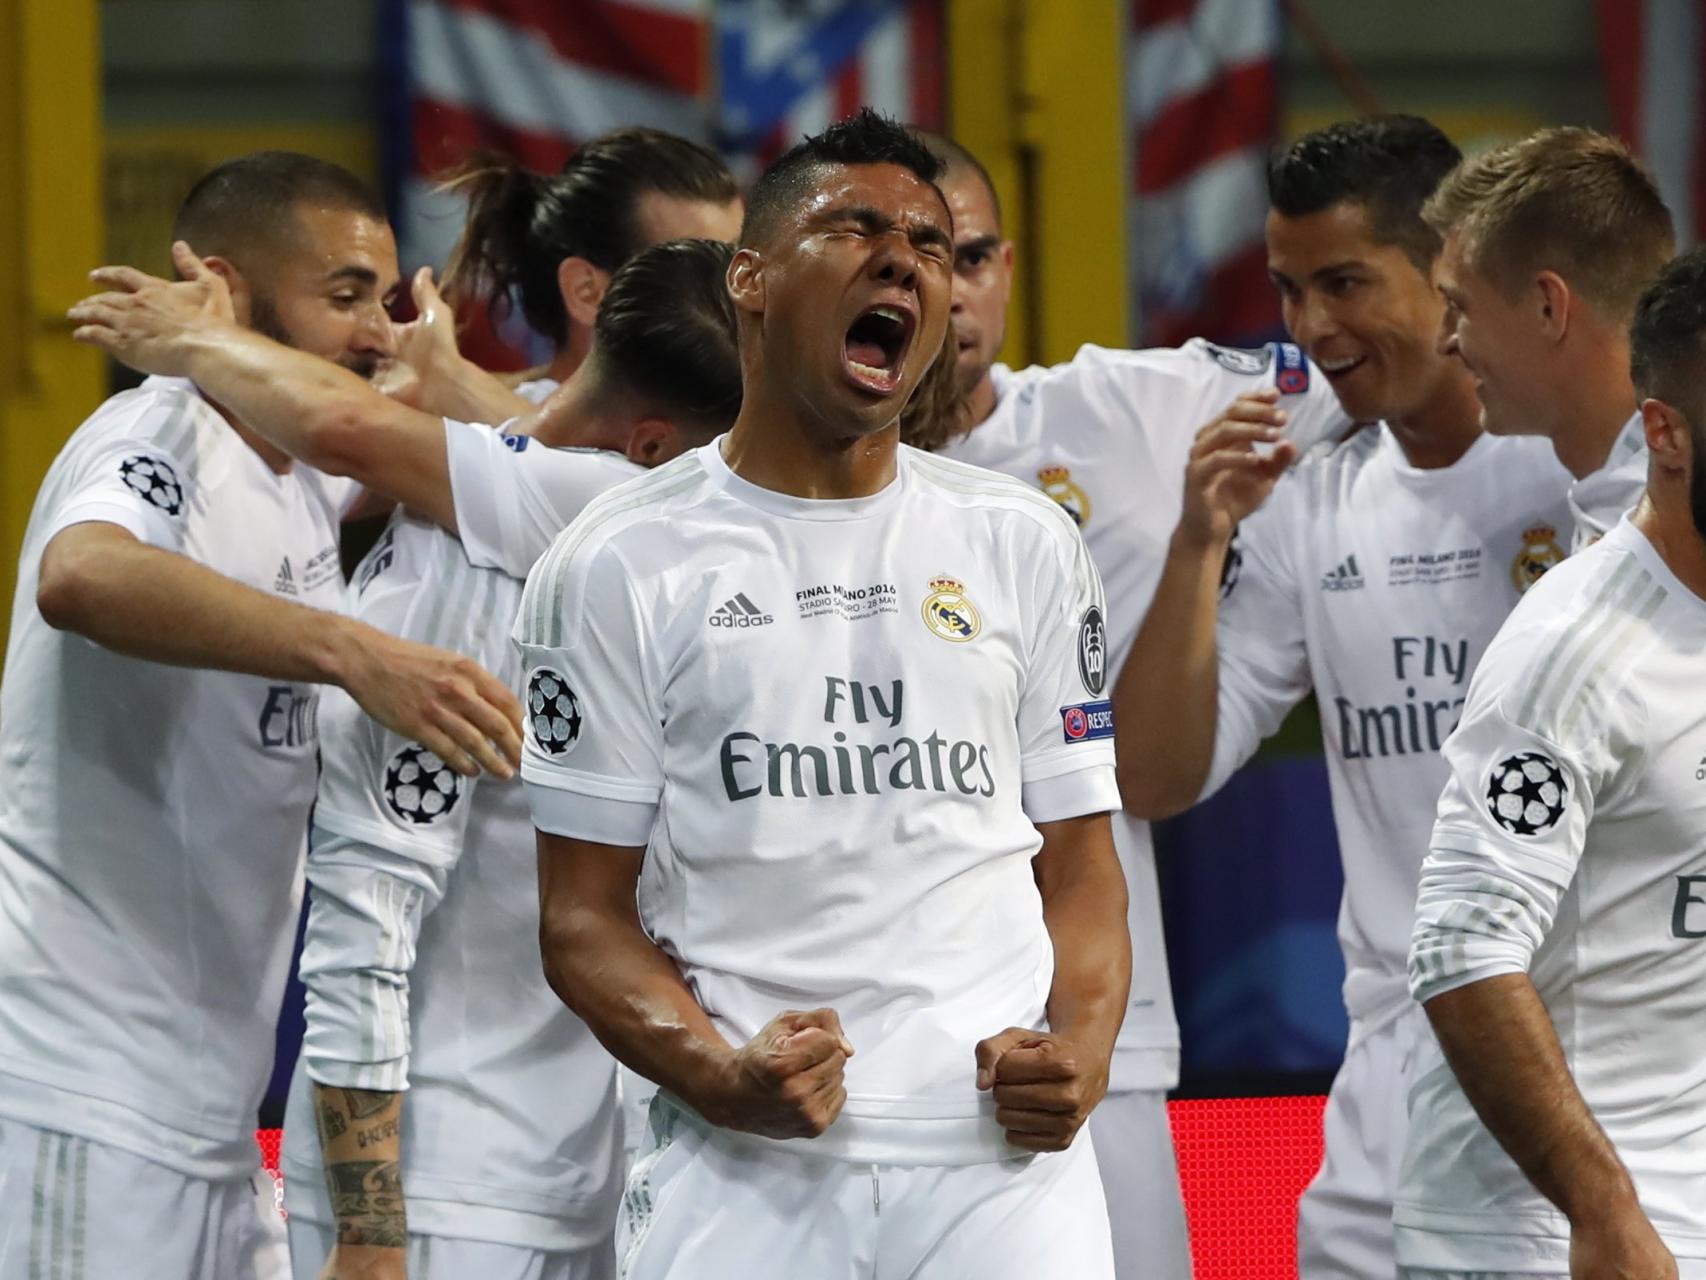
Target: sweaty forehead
330,239
887,188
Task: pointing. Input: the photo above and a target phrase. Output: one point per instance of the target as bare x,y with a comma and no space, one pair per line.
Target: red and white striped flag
534,78
1201,88
1653,52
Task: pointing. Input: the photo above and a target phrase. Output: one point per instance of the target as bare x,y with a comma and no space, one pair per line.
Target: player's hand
448,703
428,342
365,1262
786,1082
1227,478
1620,1245
1044,1086
146,322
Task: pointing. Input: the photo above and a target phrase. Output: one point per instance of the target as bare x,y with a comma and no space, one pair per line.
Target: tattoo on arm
364,1174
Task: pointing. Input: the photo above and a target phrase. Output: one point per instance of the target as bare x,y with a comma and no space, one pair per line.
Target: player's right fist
1227,476
786,1082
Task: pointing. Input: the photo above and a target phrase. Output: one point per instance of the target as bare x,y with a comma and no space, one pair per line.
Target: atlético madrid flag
1202,90
1652,52
535,77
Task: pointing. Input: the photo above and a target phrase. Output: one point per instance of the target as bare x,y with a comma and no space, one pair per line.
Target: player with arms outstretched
827,717
173,622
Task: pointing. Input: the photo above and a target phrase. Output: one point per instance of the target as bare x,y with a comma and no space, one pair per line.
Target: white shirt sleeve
1512,821
1066,721
391,817
143,481
514,495
1263,664
592,756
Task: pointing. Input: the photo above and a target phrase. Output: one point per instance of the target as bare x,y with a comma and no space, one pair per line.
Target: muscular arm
1166,698
103,583
785,1082
1501,1044
1084,908
314,410
361,1142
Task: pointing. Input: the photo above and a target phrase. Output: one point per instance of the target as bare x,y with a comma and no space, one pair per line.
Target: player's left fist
1044,1085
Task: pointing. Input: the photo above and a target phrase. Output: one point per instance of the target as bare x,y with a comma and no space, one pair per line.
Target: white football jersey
1378,585
1570,845
153,818
422,951
1598,501
1107,435
513,495
834,723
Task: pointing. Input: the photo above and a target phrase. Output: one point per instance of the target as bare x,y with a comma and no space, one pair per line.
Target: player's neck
1593,418
570,356
1668,524
276,459
774,447
1440,430
571,417
980,402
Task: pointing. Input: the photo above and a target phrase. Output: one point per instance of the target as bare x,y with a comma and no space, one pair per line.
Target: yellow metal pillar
50,236
1035,89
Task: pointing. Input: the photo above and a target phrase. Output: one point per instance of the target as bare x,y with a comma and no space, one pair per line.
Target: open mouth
1336,369
875,345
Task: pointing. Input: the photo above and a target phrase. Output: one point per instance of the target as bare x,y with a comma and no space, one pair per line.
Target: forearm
326,416
148,603
361,1144
632,996
458,388
1084,909
1166,695
1501,1044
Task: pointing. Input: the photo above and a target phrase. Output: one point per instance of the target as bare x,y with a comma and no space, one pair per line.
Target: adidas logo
1347,577
284,584
740,612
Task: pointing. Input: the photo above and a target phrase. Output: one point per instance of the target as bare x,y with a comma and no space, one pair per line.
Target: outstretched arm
105,584
449,383
1166,699
314,410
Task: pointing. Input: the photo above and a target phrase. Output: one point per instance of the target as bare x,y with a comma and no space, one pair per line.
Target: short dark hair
521,224
1667,342
1564,199
1389,164
665,335
866,138
957,158
247,206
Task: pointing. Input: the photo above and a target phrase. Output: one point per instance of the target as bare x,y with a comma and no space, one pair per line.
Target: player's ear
582,286
1553,303
1667,434
653,442
242,296
746,280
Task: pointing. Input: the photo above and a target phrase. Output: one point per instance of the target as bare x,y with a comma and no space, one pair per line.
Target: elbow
1154,793
65,587
559,944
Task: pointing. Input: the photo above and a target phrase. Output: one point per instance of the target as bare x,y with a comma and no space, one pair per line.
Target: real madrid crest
1057,483
948,613
1540,551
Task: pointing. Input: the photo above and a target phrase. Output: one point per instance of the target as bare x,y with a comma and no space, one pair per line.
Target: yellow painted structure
50,235
1035,90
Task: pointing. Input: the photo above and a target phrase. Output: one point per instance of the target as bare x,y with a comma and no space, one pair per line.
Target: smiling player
840,879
